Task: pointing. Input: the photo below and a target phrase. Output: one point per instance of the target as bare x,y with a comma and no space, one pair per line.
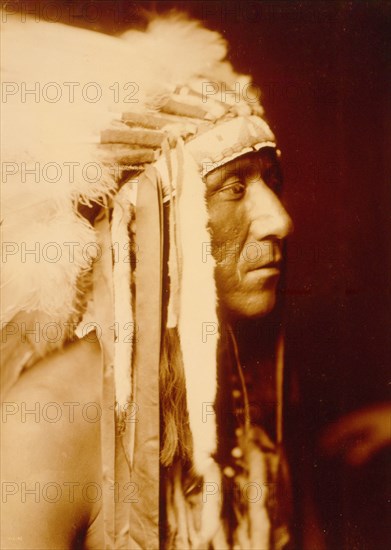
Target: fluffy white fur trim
197,310
45,248
196,50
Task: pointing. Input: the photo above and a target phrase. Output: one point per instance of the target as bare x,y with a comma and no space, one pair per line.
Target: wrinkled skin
248,224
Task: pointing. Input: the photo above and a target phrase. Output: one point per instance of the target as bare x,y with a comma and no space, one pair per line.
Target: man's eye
234,190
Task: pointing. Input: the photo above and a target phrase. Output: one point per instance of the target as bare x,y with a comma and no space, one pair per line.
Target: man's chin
252,307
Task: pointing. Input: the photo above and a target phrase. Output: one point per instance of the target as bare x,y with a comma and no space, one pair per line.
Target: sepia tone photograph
195,275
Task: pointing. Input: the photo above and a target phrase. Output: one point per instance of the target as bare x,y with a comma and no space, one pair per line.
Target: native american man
142,345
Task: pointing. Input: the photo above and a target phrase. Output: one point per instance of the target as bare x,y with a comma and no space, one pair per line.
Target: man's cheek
226,253
224,219
226,244
227,279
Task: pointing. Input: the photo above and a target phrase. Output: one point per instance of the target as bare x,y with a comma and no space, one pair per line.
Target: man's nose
268,217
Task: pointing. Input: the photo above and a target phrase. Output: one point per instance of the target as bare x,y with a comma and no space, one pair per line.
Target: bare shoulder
51,449
72,370
57,399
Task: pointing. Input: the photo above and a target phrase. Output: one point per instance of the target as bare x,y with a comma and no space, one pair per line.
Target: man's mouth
275,266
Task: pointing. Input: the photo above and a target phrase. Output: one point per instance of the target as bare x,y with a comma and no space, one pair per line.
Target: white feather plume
197,310
62,135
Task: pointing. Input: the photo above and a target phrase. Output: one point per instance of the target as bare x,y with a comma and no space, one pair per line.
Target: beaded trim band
228,141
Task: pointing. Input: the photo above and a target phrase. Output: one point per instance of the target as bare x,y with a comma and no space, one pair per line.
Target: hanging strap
103,300
144,510
117,488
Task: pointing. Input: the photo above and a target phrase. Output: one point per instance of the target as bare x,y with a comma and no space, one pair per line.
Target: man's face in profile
248,223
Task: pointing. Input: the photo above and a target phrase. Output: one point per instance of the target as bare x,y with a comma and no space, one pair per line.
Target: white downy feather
197,310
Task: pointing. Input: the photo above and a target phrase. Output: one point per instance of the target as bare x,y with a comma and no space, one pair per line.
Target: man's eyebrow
230,171
223,173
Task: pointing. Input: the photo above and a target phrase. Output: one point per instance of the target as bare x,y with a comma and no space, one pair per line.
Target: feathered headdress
82,113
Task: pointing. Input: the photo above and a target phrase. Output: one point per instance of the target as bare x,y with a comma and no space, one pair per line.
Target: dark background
324,70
